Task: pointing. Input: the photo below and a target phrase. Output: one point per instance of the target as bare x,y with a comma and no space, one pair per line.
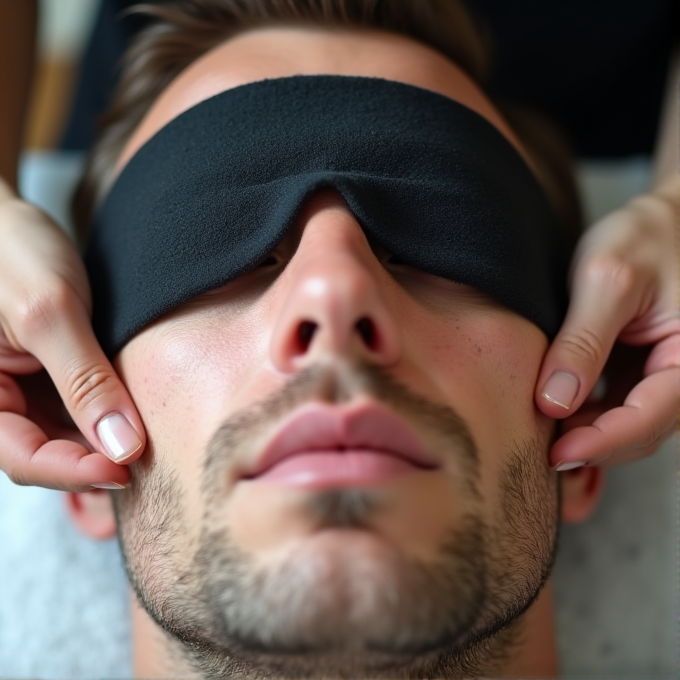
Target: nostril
367,331
306,331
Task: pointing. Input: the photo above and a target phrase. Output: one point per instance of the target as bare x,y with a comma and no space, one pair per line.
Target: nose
334,298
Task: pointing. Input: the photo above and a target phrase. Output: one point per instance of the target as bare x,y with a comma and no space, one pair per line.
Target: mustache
338,382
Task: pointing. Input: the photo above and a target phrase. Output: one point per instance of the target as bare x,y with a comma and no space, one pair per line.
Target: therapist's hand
625,284
45,324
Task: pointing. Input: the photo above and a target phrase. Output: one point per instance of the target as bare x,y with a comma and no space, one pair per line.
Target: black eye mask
214,191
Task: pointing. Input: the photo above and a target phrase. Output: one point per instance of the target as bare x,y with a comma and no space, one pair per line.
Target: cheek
486,363
486,367
507,353
184,378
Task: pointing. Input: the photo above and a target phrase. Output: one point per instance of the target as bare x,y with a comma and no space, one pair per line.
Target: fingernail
118,437
562,467
109,485
561,389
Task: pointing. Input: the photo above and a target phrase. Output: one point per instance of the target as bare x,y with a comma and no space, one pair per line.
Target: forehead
280,52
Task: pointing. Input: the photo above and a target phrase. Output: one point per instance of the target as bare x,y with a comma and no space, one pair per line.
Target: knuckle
43,306
585,346
15,474
611,273
649,451
674,356
652,437
87,384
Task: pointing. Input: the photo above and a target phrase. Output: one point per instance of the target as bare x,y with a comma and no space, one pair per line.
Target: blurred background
64,28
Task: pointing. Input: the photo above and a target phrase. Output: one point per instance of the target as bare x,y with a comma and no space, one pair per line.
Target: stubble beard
323,614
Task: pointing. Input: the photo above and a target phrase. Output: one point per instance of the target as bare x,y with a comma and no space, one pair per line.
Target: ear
581,491
92,513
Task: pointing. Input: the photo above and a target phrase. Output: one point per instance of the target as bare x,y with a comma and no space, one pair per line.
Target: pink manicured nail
118,437
563,467
109,485
561,389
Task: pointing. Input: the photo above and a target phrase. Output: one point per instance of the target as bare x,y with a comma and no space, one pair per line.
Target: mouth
320,445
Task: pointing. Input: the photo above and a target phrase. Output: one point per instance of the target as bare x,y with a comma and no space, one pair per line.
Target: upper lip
322,427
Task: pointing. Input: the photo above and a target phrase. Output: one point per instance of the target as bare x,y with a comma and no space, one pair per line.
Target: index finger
59,333
648,414
28,457
607,295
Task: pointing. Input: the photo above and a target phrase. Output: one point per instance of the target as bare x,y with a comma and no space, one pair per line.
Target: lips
366,439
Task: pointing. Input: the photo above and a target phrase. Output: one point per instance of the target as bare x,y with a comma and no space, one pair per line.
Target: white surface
63,599
616,577
63,605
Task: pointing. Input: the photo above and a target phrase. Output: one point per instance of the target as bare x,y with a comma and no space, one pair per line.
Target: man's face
346,559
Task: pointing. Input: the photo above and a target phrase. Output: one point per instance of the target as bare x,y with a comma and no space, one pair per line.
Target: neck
534,654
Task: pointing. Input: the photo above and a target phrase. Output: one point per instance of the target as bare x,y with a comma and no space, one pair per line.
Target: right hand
45,309
623,296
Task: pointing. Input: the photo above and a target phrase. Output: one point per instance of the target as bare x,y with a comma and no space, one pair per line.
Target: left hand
625,284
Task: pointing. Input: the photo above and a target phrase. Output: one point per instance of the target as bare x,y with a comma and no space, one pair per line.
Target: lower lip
330,468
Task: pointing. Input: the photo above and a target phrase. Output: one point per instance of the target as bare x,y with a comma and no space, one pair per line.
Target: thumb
63,340
604,300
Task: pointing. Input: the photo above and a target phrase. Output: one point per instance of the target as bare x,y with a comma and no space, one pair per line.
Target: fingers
15,362
29,458
665,354
638,454
11,397
57,330
636,429
44,321
605,296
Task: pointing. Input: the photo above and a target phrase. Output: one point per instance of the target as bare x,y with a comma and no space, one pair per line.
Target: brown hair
184,30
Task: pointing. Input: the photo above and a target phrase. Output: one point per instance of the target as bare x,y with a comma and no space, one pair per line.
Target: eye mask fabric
213,192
